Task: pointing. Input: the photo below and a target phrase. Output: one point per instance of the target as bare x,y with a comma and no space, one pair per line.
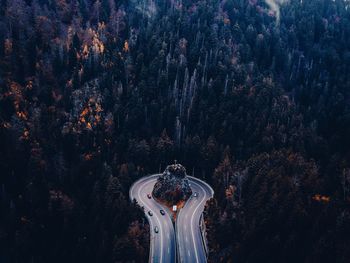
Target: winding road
189,236
190,245
162,245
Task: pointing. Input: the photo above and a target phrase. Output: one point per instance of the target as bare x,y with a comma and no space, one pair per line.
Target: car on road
150,213
156,229
162,212
149,196
195,194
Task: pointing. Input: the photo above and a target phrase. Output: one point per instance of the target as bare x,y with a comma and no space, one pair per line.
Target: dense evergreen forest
95,94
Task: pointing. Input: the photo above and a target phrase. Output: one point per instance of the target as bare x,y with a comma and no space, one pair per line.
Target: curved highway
189,236
162,245
190,245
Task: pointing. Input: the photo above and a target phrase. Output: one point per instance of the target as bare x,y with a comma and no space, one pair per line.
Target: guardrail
202,227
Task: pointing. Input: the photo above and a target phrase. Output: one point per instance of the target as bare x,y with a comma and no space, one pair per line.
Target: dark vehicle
156,229
149,196
150,213
162,212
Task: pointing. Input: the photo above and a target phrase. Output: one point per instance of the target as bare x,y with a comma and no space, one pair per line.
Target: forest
251,96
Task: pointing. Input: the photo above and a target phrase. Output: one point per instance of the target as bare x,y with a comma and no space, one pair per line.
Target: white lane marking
161,232
160,226
150,221
150,218
168,222
180,231
187,209
152,181
192,217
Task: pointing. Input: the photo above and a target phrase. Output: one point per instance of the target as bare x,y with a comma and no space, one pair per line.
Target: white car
195,194
156,229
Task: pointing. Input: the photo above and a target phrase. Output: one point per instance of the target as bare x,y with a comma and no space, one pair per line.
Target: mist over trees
96,94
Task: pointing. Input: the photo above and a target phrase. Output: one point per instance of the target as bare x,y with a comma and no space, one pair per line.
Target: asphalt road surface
189,243
162,246
189,236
